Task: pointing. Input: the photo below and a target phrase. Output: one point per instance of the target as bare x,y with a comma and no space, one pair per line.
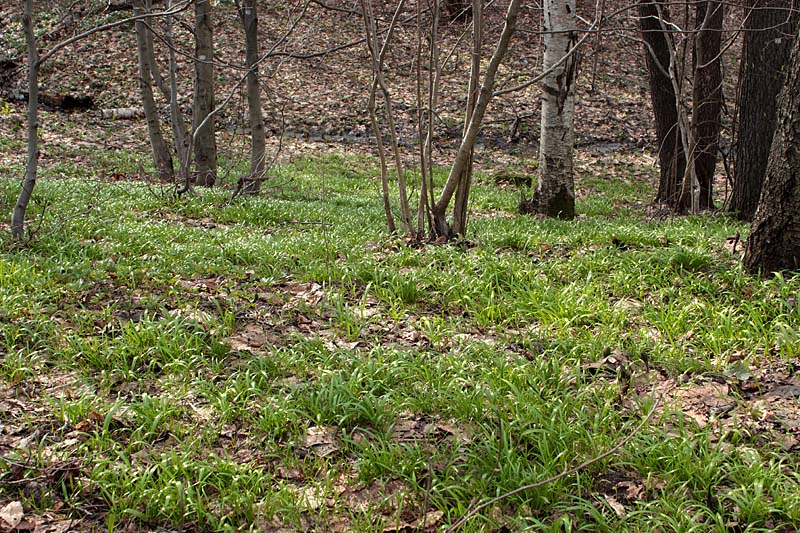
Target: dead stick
563,474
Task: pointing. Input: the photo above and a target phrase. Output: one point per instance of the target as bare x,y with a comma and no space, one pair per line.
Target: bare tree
29,182
465,180
204,142
248,13
35,62
378,53
144,47
694,124
442,227
706,103
672,160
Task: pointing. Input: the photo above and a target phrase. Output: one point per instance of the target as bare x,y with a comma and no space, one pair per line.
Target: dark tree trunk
765,52
774,242
205,145
671,158
249,16
706,101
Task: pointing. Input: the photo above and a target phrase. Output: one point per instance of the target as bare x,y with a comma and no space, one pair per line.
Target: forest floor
279,363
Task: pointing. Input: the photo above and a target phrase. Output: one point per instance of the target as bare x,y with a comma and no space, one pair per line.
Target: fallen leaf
12,514
431,518
322,440
619,509
250,339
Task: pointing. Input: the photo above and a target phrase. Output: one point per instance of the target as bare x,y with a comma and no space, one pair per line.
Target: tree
248,13
35,62
479,95
765,51
144,47
555,192
31,167
706,104
204,142
774,242
671,158
696,128
458,173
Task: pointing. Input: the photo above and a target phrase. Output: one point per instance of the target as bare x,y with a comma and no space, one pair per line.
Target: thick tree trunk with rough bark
706,103
555,192
774,242
765,52
144,47
671,158
249,16
31,168
205,144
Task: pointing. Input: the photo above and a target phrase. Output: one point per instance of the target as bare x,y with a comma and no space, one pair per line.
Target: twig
563,474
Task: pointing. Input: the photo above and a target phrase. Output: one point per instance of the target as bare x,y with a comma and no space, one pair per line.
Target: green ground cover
281,364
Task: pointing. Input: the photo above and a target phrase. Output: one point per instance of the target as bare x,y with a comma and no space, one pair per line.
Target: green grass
387,381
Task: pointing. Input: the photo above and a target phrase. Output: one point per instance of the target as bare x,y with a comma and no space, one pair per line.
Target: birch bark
555,192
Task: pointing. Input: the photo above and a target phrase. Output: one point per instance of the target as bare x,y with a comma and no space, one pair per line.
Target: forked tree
432,210
695,124
463,159
774,242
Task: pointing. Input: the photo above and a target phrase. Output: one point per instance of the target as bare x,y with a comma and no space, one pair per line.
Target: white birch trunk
555,193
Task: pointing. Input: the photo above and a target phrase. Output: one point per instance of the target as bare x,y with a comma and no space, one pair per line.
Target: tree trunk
183,139
249,15
671,157
205,145
31,168
555,192
441,226
706,102
169,89
765,52
465,181
144,45
774,242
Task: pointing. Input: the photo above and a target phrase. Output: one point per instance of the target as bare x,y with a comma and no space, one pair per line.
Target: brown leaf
322,440
250,339
12,514
429,519
619,509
